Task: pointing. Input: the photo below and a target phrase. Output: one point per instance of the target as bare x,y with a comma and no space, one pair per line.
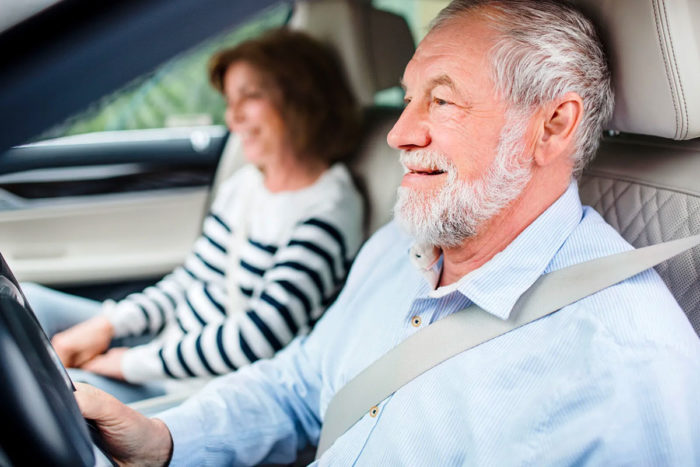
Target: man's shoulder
592,238
639,310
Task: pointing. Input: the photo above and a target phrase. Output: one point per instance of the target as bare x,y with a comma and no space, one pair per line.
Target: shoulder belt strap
472,326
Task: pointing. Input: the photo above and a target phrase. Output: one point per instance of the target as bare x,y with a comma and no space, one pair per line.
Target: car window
418,14
175,94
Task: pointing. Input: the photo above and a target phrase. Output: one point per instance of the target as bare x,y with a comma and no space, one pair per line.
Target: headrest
374,45
654,52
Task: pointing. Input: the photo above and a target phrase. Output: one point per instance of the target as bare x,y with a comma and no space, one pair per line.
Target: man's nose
410,130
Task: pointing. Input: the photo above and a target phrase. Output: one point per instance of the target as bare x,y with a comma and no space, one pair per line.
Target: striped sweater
243,296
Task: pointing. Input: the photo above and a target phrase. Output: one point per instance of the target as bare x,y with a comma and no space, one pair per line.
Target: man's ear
557,129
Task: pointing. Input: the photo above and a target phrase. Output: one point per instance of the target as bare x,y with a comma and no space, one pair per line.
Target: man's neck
498,232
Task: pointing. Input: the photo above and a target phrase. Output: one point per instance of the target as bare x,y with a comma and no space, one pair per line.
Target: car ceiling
76,51
16,11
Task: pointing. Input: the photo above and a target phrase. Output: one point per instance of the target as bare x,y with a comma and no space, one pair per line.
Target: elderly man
504,104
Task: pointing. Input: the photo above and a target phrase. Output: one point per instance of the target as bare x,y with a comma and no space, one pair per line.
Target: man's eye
406,101
438,101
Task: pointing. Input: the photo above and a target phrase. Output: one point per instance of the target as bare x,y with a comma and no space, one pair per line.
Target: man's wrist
163,443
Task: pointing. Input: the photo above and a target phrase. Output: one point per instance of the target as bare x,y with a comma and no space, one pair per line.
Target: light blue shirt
612,379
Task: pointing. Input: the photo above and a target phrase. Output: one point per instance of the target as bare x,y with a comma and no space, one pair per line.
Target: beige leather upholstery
648,188
654,50
378,167
374,46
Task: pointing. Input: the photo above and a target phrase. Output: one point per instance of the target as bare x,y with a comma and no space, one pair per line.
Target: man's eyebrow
442,80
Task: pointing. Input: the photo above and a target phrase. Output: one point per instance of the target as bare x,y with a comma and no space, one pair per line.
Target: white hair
452,215
546,49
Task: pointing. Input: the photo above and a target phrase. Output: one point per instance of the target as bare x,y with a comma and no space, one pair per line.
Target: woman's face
253,116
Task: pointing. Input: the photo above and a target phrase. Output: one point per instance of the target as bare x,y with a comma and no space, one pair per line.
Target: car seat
645,180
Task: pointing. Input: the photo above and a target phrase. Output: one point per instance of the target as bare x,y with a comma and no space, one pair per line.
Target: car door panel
106,238
105,207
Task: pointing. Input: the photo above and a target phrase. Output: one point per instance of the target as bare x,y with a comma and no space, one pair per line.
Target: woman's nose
233,115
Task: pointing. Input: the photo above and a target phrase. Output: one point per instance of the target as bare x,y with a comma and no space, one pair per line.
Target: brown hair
317,105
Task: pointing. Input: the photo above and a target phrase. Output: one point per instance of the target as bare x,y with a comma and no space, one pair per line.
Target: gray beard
447,218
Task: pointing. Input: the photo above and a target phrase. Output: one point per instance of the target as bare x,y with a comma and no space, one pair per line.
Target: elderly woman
274,250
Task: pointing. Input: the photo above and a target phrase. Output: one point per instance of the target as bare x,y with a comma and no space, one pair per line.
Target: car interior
643,181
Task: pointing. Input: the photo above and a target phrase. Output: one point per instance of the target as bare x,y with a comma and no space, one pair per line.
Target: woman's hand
130,437
108,364
78,344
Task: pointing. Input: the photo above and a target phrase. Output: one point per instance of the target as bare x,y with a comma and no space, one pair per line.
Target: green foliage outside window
175,94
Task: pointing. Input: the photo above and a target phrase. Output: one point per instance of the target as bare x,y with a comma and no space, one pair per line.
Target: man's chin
431,235
428,229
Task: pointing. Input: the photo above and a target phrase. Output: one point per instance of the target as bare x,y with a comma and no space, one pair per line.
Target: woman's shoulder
245,179
335,193
337,184
332,203
246,176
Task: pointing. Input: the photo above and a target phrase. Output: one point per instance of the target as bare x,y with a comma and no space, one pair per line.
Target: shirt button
415,321
373,411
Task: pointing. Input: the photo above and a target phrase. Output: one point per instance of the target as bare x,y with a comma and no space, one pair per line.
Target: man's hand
108,364
78,344
130,437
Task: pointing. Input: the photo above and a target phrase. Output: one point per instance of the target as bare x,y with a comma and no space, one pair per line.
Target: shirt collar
496,286
428,260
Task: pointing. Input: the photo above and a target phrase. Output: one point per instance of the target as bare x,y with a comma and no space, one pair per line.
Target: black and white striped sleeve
306,274
148,312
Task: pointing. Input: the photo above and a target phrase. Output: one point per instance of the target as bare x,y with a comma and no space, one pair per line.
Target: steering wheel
41,423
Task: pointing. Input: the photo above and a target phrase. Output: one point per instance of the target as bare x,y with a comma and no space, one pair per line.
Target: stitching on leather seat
684,121
659,28
639,181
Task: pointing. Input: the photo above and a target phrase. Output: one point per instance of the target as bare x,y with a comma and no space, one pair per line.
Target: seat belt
472,326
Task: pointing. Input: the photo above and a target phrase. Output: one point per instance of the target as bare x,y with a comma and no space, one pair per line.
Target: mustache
426,159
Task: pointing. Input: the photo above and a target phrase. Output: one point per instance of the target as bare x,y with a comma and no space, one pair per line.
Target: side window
418,14
176,94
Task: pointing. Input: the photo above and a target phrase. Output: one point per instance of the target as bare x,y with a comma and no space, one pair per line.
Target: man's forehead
450,52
